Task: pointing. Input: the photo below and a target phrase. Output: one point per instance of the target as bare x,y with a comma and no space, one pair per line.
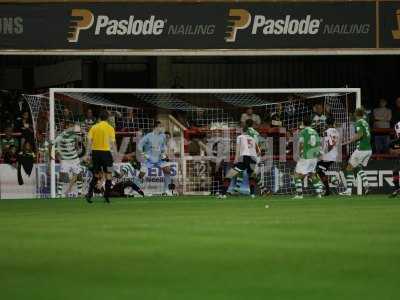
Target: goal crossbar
206,91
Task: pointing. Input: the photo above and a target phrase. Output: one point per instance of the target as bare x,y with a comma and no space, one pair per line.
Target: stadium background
374,69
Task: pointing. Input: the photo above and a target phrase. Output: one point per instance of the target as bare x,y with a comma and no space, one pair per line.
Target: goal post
52,137
308,92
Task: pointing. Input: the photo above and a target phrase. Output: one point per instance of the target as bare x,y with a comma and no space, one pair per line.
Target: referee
101,140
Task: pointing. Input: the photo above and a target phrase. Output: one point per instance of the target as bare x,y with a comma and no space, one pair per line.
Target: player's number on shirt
250,143
200,169
313,141
367,133
334,139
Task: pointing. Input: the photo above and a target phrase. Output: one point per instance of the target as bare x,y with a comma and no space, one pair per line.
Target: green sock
239,181
298,182
317,185
363,177
60,189
79,186
349,180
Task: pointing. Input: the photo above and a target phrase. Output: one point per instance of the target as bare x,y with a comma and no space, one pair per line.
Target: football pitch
200,248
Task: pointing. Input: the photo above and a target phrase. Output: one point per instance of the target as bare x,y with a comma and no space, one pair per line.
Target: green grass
200,248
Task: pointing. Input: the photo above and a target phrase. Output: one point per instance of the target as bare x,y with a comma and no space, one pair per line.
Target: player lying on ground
120,182
153,147
395,150
309,149
66,146
360,157
101,140
329,153
246,158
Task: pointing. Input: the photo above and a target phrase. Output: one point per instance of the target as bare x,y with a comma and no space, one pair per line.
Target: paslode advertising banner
271,25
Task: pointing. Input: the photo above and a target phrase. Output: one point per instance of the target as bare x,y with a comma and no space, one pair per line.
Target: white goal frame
53,91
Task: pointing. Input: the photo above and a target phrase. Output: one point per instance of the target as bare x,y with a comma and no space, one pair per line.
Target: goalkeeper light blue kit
154,147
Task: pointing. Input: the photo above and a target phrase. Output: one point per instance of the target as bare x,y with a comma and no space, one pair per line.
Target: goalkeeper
66,145
153,147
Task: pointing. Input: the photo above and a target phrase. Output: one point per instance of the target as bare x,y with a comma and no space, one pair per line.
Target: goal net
202,127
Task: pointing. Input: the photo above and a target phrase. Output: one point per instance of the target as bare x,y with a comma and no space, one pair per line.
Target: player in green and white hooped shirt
66,145
310,149
360,157
126,170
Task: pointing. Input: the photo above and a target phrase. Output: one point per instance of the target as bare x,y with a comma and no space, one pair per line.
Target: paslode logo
396,33
240,19
81,19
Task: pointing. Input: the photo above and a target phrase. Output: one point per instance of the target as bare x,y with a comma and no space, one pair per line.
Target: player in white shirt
395,150
246,158
330,153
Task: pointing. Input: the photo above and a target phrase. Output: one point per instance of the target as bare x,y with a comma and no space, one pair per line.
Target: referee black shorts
247,163
102,161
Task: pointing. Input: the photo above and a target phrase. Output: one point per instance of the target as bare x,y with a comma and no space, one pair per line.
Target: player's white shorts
360,157
72,166
150,164
306,166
